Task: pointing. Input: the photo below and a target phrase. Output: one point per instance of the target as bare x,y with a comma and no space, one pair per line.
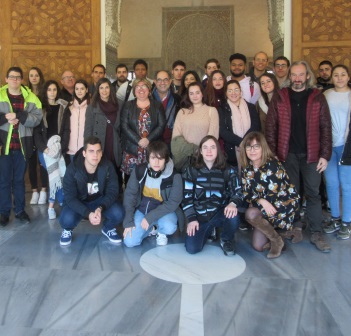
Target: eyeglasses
232,91
68,77
164,80
141,87
282,66
15,78
255,147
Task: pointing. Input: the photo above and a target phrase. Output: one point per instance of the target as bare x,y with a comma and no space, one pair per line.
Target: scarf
262,104
55,165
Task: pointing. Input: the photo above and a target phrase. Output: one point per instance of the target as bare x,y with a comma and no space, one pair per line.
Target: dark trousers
195,244
12,170
33,174
296,163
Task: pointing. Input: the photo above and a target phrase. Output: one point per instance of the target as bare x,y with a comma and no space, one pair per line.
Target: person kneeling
212,194
152,197
90,186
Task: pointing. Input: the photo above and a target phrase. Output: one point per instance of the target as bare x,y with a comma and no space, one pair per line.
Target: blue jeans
195,244
59,192
114,215
166,225
12,170
337,176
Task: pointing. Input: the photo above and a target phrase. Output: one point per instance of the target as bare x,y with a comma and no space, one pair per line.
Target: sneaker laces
111,232
66,234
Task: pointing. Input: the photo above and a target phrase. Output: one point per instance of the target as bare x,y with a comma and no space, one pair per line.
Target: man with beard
324,81
250,89
121,76
298,131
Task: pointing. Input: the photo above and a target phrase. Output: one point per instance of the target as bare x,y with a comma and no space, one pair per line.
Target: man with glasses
20,112
170,101
281,69
67,80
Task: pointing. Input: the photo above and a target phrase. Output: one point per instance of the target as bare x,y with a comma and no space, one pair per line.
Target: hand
322,165
192,227
144,142
268,207
46,151
230,211
95,217
128,231
144,224
10,116
13,121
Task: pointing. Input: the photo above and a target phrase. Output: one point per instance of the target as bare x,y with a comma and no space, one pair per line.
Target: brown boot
295,234
267,229
318,239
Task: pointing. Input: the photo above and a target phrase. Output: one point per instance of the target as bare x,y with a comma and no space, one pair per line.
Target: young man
211,65
153,195
178,70
121,76
324,80
67,80
260,63
281,70
90,186
99,71
20,112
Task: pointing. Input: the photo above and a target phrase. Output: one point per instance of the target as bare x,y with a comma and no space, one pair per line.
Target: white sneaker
35,198
43,197
161,239
51,213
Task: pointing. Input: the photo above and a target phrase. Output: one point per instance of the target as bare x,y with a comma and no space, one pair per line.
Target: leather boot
295,234
267,229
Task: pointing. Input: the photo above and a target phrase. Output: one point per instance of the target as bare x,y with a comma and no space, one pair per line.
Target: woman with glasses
236,119
273,199
142,121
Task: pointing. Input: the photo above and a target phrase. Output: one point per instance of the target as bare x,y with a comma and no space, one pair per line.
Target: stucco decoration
276,26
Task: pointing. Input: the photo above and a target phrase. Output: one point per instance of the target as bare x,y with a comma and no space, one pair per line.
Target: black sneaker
228,247
213,235
4,220
23,217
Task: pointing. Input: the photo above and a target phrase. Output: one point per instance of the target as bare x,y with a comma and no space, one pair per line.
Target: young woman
268,85
51,148
215,92
274,200
212,194
152,197
338,172
35,83
190,76
192,124
75,113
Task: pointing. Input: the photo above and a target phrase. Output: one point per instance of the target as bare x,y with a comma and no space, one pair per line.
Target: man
169,100
125,91
324,80
178,70
121,76
211,65
260,63
90,186
281,69
249,88
20,112
99,71
298,131
67,80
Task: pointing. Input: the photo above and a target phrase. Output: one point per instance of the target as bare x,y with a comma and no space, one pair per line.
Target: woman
102,119
35,83
50,146
236,119
142,120
338,172
192,124
75,113
189,77
274,200
269,86
212,194
215,92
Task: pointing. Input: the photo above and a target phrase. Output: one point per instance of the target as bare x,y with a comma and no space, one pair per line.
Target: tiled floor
95,288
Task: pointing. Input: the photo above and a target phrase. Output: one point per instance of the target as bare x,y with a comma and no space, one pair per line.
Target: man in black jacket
91,189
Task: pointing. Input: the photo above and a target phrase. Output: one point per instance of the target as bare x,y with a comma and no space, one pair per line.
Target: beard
238,74
122,79
298,85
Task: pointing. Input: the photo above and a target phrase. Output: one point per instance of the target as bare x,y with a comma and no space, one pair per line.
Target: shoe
213,236
4,220
244,226
43,197
228,247
23,217
51,213
295,235
154,231
35,198
161,239
333,225
66,237
318,239
344,232
112,235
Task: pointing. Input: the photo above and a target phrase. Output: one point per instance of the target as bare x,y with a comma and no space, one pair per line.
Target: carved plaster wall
276,26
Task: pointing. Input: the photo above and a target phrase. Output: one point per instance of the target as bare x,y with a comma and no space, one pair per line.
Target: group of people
184,152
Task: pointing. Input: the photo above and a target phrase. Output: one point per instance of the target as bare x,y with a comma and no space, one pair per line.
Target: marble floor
93,287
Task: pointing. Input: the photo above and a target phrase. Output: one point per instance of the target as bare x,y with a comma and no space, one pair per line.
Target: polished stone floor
95,288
